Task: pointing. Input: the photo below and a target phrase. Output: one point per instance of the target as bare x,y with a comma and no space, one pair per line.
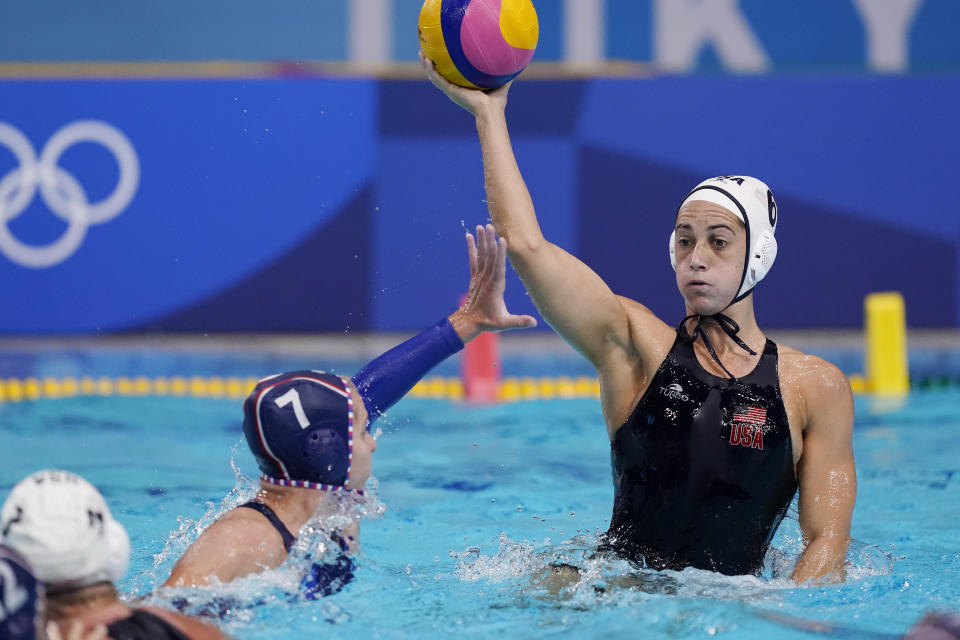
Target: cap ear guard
762,255
673,249
118,551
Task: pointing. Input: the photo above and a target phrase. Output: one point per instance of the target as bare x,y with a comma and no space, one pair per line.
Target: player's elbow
525,249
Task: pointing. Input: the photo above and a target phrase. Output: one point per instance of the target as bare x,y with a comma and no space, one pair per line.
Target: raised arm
574,300
827,476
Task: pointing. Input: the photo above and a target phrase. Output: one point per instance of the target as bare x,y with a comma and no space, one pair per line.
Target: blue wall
813,35
331,205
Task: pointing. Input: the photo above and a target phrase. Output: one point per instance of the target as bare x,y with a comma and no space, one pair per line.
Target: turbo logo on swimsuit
60,190
674,392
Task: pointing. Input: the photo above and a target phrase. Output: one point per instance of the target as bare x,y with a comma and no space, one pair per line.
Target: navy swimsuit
143,625
703,468
323,579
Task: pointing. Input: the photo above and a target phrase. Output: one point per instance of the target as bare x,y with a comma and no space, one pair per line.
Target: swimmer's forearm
388,377
509,202
822,561
576,302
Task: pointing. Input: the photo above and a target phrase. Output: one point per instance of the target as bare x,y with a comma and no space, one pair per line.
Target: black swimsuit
703,468
324,578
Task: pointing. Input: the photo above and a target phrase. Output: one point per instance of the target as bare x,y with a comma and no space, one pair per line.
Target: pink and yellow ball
480,44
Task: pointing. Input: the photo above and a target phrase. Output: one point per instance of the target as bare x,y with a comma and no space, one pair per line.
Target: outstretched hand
484,308
473,100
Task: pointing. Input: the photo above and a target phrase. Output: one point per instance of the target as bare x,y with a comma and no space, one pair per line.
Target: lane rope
509,389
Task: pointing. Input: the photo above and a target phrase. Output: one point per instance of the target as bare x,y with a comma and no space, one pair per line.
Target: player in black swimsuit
703,468
711,425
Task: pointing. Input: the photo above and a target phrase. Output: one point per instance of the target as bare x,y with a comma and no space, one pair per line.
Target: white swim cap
61,524
752,201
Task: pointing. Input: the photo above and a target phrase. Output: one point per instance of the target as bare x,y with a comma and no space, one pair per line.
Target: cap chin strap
729,326
306,484
740,297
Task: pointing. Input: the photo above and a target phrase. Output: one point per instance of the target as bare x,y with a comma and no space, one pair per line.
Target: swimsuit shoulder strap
268,513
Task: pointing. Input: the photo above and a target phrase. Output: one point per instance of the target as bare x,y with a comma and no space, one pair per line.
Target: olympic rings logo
61,191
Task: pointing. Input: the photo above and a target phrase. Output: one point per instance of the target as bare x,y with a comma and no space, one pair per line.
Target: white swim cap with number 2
61,524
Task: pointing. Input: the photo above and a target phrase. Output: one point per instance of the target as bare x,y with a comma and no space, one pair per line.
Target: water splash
863,560
867,561
245,488
512,560
578,573
280,586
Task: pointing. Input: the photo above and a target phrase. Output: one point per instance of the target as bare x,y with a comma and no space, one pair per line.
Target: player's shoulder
244,522
641,316
235,545
650,337
239,527
632,306
810,374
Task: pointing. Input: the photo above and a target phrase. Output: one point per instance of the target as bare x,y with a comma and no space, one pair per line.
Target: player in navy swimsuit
324,578
712,426
310,434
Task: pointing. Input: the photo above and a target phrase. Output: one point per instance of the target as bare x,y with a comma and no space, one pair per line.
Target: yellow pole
886,344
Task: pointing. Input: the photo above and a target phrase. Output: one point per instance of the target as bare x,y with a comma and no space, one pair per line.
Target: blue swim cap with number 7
299,427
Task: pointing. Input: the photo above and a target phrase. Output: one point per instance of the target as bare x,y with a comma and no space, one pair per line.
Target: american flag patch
752,415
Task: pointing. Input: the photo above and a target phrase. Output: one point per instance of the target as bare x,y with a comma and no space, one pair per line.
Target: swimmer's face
710,246
364,444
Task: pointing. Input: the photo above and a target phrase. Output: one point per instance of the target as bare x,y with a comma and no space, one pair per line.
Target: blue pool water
472,501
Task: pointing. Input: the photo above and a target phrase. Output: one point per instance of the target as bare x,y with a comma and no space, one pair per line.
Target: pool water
470,503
